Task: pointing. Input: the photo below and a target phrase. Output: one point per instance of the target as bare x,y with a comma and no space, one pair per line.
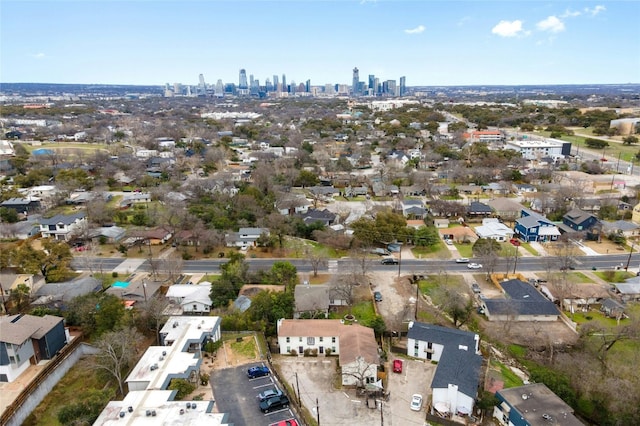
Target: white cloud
417,30
39,55
508,28
552,24
593,12
463,21
570,14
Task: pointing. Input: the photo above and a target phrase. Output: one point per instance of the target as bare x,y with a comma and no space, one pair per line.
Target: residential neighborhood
415,260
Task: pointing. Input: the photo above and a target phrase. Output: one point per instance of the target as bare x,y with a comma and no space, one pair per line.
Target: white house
354,344
62,226
245,237
457,352
492,228
192,299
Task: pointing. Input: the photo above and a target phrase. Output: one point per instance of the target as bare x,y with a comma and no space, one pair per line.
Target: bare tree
342,287
316,259
117,352
153,313
361,371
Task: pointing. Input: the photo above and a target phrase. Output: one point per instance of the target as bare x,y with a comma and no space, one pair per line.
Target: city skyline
430,43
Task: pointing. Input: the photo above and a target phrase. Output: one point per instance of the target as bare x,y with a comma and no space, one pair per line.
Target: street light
144,289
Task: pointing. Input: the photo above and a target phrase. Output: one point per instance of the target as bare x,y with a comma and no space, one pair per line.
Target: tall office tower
275,83
268,86
377,89
307,86
292,87
219,90
403,86
243,86
390,88
356,82
254,88
372,82
201,80
242,83
284,83
302,88
250,80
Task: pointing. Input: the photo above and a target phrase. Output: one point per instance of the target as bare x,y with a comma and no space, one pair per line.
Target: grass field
74,386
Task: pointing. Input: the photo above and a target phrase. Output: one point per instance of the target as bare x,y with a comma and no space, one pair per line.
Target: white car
474,266
462,260
416,402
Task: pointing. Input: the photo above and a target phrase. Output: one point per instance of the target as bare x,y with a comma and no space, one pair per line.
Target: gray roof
69,289
534,399
456,366
619,225
311,297
16,329
523,299
66,219
478,207
577,216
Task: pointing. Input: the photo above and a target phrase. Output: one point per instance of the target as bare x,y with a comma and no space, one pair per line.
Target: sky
432,43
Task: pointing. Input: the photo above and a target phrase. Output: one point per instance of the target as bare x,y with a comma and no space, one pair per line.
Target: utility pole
381,415
298,387
515,263
417,299
399,260
629,259
317,412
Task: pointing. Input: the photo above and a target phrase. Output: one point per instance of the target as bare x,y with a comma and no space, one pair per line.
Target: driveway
339,407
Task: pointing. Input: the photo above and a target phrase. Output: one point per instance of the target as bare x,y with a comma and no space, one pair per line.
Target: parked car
269,393
448,242
260,371
377,296
416,402
397,366
274,403
389,261
476,288
462,260
474,266
515,241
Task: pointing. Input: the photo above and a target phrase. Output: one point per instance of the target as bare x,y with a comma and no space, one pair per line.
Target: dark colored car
254,372
274,403
389,261
377,296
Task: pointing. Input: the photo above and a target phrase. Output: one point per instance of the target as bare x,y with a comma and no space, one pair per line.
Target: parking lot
237,395
339,407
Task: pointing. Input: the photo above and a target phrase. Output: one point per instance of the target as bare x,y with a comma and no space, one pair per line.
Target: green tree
232,278
86,411
427,236
630,140
183,388
20,298
8,215
53,261
282,273
596,143
95,313
267,307
306,178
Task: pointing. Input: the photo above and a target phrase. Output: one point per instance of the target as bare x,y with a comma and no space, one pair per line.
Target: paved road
408,266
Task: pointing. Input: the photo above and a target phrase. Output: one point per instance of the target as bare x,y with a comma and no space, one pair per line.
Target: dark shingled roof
523,299
456,366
